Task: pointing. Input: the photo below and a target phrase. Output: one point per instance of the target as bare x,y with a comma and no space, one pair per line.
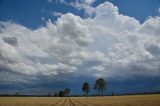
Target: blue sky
47,45
29,13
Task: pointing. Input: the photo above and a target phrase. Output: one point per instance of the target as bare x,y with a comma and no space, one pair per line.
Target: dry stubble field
135,100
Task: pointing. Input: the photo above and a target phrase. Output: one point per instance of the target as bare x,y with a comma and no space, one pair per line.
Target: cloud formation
105,44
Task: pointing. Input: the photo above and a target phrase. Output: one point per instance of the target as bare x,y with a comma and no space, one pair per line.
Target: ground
132,100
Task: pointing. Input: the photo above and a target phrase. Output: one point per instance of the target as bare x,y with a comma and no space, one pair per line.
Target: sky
48,45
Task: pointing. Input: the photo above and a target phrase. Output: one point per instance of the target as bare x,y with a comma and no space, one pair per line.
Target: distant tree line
111,94
62,93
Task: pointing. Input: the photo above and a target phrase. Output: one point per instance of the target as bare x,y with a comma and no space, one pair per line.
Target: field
134,100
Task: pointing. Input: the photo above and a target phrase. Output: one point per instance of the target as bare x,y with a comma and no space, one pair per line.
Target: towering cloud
106,43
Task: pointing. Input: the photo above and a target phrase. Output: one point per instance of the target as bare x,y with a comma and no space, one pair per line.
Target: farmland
134,100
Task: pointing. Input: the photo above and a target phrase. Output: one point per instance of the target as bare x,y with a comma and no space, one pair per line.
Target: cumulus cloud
110,45
84,5
52,44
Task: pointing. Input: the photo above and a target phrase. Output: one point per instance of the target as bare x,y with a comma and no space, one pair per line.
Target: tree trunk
102,93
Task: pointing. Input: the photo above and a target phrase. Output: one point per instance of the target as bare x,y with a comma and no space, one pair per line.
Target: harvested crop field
134,100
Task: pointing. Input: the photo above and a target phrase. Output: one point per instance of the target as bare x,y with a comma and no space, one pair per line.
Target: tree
55,94
49,94
113,94
86,88
61,93
16,93
66,92
100,85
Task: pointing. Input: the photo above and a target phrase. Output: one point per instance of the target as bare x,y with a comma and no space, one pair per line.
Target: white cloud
57,14
54,42
126,41
151,26
58,1
88,2
85,5
109,44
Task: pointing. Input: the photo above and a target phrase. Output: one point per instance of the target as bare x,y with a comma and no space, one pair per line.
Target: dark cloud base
138,85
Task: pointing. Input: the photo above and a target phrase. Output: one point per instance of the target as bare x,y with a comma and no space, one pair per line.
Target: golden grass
134,100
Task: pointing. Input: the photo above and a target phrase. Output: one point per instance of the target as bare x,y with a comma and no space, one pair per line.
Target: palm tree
100,85
67,91
86,88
